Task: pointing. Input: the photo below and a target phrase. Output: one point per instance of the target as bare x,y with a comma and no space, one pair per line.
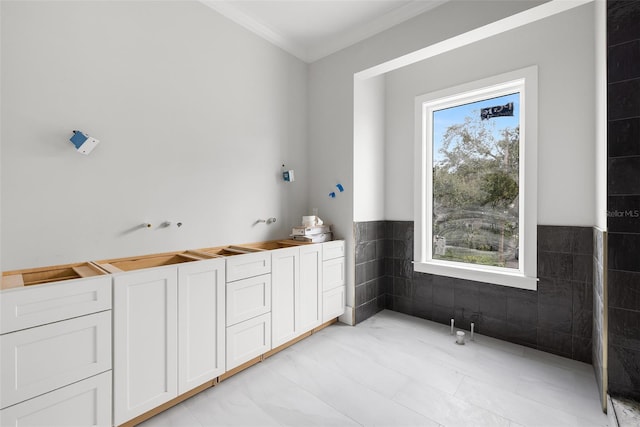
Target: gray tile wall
369,258
623,198
557,318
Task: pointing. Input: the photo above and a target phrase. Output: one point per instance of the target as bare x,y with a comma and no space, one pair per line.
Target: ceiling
312,29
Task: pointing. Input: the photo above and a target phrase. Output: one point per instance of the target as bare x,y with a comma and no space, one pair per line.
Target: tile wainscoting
558,318
623,198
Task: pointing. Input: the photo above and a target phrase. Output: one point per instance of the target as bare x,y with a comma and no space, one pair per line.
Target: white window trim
526,81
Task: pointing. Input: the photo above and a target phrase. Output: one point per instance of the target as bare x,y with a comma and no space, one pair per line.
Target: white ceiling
312,29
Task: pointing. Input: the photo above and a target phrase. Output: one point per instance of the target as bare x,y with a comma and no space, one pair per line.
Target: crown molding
333,43
378,25
227,10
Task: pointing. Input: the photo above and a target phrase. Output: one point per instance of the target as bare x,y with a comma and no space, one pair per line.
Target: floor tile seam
502,415
575,419
577,390
576,414
275,371
203,424
415,412
190,412
456,396
354,378
556,364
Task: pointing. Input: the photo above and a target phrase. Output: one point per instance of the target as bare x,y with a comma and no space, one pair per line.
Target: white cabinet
296,285
145,344
310,295
38,360
82,404
248,265
201,323
248,298
30,306
333,303
333,280
285,283
247,340
168,333
248,303
55,347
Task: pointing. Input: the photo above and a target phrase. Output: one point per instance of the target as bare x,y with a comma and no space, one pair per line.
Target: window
476,180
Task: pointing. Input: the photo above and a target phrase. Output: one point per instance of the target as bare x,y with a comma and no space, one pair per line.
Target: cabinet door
248,339
38,360
333,303
83,404
145,341
30,306
333,249
201,322
248,298
310,289
285,277
248,265
333,274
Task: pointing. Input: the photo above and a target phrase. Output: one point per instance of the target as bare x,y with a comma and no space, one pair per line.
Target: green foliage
475,191
501,189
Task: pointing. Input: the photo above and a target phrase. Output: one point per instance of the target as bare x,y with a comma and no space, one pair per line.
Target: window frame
524,81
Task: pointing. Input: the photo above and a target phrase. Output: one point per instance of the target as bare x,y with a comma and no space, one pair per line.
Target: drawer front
334,249
248,265
83,404
38,360
333,274
333,303
248,298
247,340
38,305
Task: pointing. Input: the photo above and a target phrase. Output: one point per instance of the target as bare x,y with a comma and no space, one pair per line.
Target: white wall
368,149
195,116
563,48
600,40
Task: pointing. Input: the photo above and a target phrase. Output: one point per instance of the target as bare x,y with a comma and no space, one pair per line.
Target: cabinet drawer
247,340
334,249
333,303
82,404
248,265
27,307
38,360
248,298
333,274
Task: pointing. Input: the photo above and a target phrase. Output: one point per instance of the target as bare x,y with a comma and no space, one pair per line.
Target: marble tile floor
398,370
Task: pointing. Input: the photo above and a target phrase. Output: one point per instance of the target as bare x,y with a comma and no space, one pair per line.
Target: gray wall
623,226
566,138
195,116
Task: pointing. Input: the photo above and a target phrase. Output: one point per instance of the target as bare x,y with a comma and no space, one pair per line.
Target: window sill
503,278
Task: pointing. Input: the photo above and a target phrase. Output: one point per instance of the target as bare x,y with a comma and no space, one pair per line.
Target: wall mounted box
83,143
